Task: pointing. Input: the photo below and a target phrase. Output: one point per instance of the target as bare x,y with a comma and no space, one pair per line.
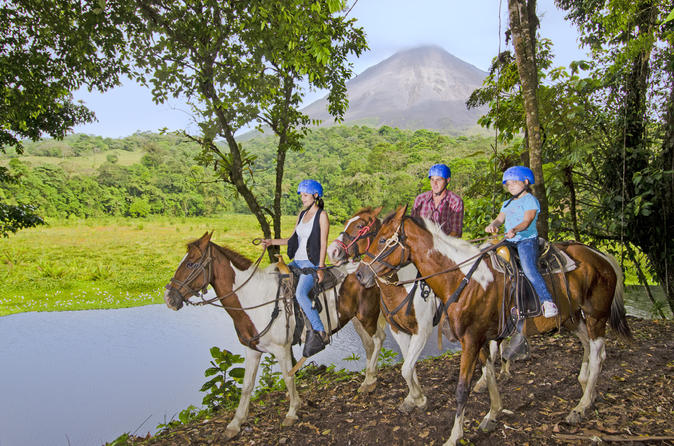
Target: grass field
118,262
108,263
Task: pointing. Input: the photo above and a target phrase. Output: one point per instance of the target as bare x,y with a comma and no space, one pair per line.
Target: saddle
288,277
520,300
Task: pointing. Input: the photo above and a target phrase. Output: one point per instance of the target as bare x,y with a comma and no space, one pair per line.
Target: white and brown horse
409,309
250,297
595,297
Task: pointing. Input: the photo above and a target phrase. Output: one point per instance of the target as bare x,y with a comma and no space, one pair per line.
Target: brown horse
595,296
250,297
408,309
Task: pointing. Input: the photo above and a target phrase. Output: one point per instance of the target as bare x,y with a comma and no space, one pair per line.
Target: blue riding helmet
518,173
440,170
310,187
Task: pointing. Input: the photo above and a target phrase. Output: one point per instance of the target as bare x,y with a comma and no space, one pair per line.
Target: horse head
388,252
193,274
356,237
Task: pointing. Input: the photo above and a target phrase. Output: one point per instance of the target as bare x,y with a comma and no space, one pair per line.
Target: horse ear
400,213
376,211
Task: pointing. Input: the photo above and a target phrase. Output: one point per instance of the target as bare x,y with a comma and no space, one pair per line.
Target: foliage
223,390
185,416
269,380
387,357
50,49
242,63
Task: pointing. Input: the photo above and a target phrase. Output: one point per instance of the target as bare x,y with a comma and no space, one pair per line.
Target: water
86,377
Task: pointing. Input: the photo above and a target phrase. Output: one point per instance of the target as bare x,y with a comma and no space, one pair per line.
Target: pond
86,377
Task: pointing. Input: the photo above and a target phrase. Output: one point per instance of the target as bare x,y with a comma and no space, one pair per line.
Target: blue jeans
304,285
528,250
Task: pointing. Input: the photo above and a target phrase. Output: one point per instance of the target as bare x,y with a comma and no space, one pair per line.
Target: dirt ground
635,403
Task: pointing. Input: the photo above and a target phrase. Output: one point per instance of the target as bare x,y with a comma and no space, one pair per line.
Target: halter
364,232
205,266
397,239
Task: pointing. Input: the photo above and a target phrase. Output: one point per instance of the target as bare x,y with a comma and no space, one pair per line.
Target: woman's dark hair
319,201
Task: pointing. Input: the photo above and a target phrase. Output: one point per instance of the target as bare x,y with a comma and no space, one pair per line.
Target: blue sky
467,29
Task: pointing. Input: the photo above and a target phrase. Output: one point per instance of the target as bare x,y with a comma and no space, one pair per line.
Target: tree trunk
568,182
523,25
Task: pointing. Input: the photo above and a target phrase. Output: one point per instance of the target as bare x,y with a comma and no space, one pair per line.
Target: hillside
420,88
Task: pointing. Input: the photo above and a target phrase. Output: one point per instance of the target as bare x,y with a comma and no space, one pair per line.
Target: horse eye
191,265
382,240
359,226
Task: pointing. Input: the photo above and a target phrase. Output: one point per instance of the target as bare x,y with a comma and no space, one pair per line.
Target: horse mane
457,250
366,210
415,219
239,261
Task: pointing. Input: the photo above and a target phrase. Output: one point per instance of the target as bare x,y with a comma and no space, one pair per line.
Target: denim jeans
304,285
528,250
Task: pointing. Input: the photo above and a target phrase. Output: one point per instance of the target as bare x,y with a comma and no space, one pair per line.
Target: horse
594,295
408,309
249,296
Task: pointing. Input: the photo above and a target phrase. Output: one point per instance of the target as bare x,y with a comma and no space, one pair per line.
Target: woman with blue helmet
307,246
520,213
440,205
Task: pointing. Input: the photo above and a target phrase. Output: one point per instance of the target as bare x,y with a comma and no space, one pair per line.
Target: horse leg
284,355
488,423
251,365
581,333
411,346
481,384
372,345
597,357
468,358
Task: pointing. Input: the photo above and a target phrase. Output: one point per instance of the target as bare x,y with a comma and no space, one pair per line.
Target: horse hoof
480,386
574,417
289,420
367,388
230,433
488,425
406,407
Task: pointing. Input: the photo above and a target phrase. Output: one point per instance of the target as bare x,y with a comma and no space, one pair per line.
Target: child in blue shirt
520,214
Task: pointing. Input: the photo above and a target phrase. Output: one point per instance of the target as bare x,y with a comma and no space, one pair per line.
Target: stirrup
517,349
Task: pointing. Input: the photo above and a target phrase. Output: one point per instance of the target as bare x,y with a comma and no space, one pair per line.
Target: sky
467,29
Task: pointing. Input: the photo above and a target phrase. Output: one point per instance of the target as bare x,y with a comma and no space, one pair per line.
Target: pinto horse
595,295
250,298
408,309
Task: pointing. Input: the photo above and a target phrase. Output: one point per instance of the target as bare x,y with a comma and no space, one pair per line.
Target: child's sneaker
549,309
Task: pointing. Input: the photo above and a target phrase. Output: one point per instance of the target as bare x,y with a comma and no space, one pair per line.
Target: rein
399,239
205,262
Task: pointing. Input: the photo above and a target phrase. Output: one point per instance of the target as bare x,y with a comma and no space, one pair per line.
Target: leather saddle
288,277
520,300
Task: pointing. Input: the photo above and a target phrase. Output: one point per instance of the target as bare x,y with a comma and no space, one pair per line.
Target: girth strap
455,295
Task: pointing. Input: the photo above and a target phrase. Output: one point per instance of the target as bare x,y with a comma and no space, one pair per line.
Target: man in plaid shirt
439,204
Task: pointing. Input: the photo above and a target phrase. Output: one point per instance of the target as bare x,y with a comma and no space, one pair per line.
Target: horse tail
618,319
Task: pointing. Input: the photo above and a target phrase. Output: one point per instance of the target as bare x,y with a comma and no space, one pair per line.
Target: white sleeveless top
303,231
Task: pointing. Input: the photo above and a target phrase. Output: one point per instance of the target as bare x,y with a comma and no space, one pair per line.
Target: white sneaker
549,309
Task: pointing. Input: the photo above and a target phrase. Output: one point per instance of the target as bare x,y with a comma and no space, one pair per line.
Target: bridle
365,232
203,266
398,239
392,243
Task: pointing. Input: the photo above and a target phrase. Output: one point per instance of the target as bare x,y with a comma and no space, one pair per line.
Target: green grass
108,263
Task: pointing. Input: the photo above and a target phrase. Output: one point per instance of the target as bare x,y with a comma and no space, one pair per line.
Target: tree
633,45
245,62
523,25
49,49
